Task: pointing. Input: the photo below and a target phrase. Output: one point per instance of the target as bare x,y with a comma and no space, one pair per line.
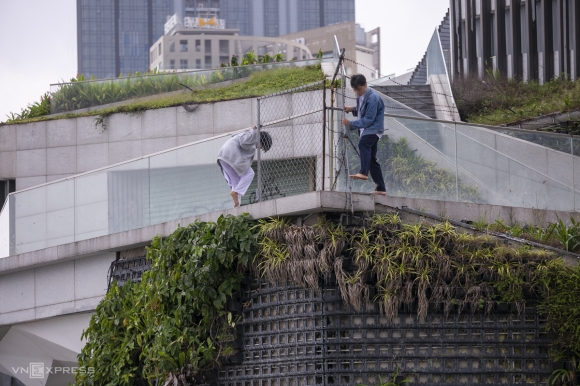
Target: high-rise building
114,36
525,39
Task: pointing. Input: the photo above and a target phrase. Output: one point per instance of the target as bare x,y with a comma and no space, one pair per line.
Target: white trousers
238,184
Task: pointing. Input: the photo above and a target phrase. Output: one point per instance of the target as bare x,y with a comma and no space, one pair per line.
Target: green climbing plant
175,323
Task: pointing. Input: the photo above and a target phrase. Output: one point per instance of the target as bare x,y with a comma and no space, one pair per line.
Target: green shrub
177,314
495,99
37,109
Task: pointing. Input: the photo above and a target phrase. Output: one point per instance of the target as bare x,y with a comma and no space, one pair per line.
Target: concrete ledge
304,204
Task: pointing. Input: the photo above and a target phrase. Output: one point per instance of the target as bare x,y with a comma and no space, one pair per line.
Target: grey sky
38,41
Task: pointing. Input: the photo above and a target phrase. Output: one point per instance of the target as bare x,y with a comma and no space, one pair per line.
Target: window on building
172,64
183,45
208,62
197,63
183,64
225,47
208,47
172,47
198,46
6,187
159,49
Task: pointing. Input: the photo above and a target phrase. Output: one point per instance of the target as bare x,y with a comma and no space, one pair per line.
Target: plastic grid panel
294,164
294,336
125,270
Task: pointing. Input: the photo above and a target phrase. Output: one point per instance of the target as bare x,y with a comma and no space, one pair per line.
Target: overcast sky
38,41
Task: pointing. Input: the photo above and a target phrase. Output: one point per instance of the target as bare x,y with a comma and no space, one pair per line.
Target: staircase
419,76
416,97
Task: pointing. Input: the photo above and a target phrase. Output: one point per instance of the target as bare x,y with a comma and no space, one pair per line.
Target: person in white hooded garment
235,160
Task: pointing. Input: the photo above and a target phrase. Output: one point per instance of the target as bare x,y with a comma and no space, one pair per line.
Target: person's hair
265,140
357,80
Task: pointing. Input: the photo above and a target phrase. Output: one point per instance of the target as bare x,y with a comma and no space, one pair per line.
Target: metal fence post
456,166
259,189
345,135
573,173
323,133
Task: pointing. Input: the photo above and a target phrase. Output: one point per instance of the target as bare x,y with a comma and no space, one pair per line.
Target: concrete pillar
485,40
530,56
557,37
455,24
514,36
574,33
470,47
500,37
545,41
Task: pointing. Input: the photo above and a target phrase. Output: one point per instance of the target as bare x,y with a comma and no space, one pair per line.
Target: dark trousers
367,146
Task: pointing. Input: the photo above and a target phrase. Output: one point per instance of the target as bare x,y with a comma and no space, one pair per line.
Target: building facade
361,46
114,36
270,17
201,43
524,39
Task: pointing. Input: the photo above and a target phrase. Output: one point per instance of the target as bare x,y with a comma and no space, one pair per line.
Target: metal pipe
259,190
323,133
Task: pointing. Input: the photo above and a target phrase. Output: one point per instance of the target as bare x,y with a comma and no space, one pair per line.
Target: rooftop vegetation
176,325
497,100
258,84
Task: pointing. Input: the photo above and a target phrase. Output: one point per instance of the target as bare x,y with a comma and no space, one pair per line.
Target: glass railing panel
60,212
30,220
435,58
112,200
5,228
550,140
437,135
513,172
416,163
188,181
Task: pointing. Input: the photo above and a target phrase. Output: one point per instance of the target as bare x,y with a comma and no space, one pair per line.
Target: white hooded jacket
239,150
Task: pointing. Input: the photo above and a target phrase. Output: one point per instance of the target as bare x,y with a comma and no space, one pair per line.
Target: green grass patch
259,84
497,100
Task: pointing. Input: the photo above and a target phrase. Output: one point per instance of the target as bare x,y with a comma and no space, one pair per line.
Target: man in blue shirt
370,111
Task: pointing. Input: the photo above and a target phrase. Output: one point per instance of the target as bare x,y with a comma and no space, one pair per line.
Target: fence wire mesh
295,163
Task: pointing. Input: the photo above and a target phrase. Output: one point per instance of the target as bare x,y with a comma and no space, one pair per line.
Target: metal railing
181,182
311,151
455,161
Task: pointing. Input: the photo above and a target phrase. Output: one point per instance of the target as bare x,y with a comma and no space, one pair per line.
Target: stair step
397,88
408,96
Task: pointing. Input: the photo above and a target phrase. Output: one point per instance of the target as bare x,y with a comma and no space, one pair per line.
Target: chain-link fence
295,162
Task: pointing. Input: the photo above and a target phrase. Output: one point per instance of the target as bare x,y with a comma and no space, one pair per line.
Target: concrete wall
64,287
36,153
72,277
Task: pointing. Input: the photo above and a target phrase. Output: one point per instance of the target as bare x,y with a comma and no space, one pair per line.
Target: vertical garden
180,324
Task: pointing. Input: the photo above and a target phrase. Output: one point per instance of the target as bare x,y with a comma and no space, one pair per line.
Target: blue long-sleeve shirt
372,114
